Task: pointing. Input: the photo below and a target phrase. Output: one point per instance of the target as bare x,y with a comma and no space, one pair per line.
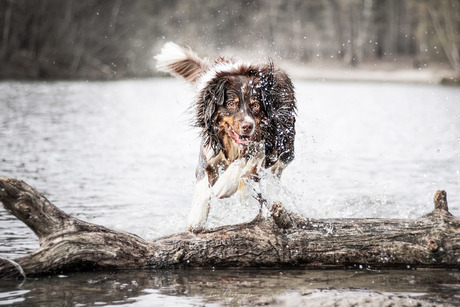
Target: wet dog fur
246,113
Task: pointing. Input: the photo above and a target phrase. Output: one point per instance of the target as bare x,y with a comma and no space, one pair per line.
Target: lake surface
123,154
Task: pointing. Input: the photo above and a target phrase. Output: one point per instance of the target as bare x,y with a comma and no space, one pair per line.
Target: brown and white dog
246,113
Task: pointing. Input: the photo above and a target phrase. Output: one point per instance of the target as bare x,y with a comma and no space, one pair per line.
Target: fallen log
68,244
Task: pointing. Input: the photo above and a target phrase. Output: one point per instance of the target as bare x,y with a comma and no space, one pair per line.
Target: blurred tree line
106,39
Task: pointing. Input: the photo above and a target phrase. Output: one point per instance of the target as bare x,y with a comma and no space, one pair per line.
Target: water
229,287
123,154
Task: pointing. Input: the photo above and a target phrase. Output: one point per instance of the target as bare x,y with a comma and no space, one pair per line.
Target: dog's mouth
238,139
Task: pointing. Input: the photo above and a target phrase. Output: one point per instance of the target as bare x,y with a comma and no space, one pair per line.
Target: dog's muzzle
244,134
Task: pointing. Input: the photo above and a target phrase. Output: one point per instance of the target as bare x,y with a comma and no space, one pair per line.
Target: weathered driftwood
283,239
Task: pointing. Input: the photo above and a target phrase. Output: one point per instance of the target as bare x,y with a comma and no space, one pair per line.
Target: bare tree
112,39
6,28
445,17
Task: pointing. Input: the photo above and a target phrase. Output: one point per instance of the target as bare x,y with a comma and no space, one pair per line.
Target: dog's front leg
200,206
229,182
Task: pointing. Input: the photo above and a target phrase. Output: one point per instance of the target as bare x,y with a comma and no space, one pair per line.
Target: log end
9,191
15,196
440,200
31,207
441,210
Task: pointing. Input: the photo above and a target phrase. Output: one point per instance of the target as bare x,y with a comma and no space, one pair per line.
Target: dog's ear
220,90
214,95
180,62
210,98
279,102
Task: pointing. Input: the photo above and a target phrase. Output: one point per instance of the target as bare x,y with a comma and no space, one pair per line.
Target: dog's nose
246,127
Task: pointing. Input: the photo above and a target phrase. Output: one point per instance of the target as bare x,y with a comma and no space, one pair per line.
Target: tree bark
283,239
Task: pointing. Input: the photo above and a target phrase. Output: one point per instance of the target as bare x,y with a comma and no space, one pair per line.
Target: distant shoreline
377,72
317,71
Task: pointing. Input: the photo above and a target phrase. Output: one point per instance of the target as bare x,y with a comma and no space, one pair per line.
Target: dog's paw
196,225
224,189
195,229
229,181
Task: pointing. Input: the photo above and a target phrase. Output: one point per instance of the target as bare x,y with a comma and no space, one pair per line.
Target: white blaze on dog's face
240,115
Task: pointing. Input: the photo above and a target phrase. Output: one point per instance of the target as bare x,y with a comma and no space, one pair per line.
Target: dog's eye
255,106
232,103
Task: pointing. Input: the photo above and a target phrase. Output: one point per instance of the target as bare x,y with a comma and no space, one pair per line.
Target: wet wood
283,239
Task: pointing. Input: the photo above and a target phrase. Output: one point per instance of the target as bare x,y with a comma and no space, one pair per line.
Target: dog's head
248,104
236,110
238,104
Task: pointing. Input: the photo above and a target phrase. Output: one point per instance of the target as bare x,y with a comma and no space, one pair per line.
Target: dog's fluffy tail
180,62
